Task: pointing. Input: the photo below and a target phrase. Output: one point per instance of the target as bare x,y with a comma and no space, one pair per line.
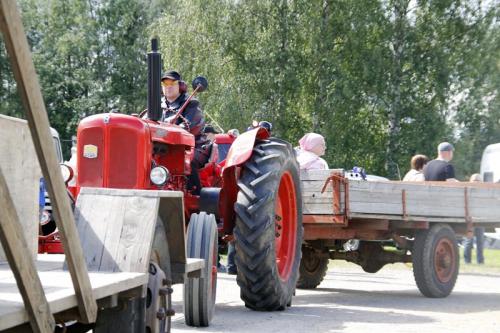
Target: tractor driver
174,97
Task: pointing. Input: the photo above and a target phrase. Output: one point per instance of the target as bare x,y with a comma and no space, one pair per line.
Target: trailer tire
436,261
268,230
199,293
312,269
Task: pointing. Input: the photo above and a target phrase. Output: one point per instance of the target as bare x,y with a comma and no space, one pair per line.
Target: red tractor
254,193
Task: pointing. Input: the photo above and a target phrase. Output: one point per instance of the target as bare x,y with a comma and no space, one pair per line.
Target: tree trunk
394,112
319,103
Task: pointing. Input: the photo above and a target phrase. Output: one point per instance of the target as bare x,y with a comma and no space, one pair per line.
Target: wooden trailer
115,246
376,223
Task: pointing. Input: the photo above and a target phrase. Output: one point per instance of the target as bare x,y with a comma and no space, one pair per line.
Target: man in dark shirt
191,118
441,169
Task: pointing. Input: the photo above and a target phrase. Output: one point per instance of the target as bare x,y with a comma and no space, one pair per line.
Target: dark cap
445,146
210,129
267,125
172,75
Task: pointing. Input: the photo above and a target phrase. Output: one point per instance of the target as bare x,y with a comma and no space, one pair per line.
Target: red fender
239,153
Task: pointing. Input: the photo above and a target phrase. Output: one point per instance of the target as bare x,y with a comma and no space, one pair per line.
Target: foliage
381,80
89,57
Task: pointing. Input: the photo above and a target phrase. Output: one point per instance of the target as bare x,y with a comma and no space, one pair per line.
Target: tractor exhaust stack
154,82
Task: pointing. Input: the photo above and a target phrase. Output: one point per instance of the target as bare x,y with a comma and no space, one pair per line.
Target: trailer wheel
312,269
199,293
435,261
269,228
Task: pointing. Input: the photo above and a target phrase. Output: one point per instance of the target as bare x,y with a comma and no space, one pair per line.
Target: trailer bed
376,223
58,288
348,199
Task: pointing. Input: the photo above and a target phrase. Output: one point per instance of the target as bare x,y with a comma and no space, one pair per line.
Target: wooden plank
93,236
451,184
191,265
116,228
23,267
170,246
315,186
172,215
134,247
31,96
428,202
59,290
23,176
318,174
426,209
494,223
317,209
408,218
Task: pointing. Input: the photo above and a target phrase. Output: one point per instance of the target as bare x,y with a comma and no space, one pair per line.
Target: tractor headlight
159,175
67,173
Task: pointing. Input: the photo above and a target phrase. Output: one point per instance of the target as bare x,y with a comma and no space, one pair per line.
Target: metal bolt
165,291
161,315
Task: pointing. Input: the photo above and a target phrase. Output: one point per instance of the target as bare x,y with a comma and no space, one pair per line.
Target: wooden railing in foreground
31,96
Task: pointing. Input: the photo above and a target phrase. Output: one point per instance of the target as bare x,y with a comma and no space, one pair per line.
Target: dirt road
350,300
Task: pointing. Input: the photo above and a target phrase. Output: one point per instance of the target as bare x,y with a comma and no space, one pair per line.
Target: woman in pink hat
311,147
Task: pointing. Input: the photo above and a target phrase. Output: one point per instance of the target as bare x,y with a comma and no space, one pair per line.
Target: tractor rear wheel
199,293
435,261
312,269
269,228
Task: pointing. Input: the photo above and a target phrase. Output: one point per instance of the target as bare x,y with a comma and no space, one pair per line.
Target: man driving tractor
174,96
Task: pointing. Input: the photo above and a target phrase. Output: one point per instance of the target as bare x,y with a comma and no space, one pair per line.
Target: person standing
440,169
478,235
416,174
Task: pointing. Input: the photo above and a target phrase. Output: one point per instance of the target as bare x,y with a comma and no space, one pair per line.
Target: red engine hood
170,134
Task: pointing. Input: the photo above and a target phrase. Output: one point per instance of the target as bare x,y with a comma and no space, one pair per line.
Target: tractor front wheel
269,228
199,293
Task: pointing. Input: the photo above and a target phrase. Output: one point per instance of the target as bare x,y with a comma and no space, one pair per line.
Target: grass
491,263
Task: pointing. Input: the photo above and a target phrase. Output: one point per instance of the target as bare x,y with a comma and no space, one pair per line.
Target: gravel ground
350,300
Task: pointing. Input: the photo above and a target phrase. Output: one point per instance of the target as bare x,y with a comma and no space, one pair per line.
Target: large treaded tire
199,293
269,228
436,261
312,269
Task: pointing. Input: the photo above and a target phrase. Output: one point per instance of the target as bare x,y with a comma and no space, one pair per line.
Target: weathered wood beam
22,265
31,96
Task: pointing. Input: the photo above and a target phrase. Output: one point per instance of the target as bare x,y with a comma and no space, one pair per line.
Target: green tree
381,80
89,57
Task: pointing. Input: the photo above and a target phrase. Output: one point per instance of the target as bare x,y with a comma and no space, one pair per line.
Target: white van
490,164
490,171
57,144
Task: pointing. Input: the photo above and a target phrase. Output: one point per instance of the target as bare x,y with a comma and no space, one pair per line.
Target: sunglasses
169,83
